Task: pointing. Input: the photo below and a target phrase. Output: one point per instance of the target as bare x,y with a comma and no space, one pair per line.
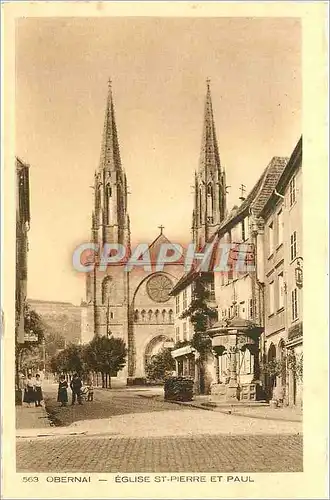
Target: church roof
259,194
110,154
209,155
155,246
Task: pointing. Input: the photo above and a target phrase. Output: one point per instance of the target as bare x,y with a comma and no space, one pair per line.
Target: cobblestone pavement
208,453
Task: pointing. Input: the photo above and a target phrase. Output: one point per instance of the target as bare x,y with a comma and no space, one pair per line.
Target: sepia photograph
159,290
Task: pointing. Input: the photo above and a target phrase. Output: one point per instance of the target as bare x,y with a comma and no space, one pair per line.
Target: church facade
137,305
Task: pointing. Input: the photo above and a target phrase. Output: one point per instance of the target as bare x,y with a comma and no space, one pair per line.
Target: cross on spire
242,189
161,227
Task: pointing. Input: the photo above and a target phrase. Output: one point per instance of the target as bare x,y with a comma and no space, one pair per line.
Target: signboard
30,337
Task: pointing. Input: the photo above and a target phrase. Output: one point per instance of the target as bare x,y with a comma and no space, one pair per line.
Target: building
236,338
135,305
63,318
283,263
22,228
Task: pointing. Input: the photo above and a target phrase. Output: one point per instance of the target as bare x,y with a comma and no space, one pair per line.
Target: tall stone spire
110,154
210,182
111,220
209,157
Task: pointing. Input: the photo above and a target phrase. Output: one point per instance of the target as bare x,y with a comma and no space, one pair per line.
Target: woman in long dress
62,395
29,392
38,390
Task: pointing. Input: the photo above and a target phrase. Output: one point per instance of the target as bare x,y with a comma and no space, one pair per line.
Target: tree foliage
106,355
160,365
200,314
28,353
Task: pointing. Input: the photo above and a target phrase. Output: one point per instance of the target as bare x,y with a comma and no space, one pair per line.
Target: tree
75,358
160,365
69,360
27,353
106,355
201,315
53,342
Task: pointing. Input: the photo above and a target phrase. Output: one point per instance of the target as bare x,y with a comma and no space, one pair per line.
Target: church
137,306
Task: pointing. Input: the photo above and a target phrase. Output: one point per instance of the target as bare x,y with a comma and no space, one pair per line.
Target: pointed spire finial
109,83
208,82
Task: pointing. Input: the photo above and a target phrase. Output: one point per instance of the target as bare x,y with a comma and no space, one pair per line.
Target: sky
158,68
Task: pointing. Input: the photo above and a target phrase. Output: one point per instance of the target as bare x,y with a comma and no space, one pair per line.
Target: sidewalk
252,410
32,418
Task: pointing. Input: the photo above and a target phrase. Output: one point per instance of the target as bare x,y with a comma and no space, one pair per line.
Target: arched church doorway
153,347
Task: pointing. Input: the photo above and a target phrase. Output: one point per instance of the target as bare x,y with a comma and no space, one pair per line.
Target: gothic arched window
143,315
170,316
200,206
136,315
106,289
108,194
157,315
163,315
210,202
149,315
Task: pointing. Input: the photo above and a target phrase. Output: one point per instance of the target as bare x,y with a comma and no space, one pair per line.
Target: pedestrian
76,385
38,390
62,395
29,392
90,393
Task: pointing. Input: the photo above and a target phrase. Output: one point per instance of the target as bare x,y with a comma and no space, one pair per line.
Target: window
177,304
245,229
210,202
231,257
251,309
271,238
294,304
212,293
280,291
232,311
292,187
106,289
184,299
111,315
184,330
280,227
271,298
293,245
177,334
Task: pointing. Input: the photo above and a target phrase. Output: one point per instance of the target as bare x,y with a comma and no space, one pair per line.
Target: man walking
76,385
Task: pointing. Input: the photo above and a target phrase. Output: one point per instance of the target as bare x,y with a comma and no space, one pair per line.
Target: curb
232,413
45,434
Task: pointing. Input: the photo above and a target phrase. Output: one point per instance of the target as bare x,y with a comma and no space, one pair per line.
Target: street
134,431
